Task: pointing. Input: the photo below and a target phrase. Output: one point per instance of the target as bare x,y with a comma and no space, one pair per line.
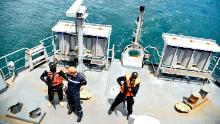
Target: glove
122,82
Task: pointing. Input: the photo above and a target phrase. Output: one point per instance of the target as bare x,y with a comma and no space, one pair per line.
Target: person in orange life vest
54,81
129,85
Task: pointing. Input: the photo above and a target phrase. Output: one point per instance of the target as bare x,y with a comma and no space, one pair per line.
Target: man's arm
62,74
135,89
83,82
83,79
121,80
43,75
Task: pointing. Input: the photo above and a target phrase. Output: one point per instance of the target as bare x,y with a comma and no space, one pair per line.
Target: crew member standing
129,85
75,81
54,81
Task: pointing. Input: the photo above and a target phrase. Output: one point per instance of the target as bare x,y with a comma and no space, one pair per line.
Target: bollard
204,91
193,97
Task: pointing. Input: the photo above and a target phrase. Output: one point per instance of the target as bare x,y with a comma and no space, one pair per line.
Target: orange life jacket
129,85
56,79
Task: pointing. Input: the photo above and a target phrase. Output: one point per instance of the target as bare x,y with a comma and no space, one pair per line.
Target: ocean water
24,22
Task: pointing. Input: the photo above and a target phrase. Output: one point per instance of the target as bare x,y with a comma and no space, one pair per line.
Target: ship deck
156,98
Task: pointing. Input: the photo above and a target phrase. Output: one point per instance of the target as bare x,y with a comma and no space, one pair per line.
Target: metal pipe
205,65
140,22
53,43
216,63
174,57
190,59
161,59
107,64
19,59
46,38
12,53
80,44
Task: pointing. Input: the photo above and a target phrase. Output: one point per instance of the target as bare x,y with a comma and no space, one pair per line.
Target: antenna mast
139,23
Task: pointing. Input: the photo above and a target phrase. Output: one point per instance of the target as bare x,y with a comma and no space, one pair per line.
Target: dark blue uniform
73,92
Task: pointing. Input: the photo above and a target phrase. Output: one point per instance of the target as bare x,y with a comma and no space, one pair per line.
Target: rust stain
198,111
174,38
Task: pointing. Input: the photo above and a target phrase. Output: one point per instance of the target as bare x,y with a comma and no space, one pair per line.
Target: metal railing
152,55
216,72
112,53
5,59
19,59
49,46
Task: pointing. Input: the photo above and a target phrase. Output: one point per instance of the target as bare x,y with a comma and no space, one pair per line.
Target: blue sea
24,22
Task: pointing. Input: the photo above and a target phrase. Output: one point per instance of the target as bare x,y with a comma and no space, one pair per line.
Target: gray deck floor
156,98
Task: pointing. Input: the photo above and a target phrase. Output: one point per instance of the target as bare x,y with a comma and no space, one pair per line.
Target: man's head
52,66
72,71
134,75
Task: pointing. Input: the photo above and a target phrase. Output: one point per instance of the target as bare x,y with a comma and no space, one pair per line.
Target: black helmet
52,66
134,75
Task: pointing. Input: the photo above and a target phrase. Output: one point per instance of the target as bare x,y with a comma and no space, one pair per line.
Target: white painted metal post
53,43
206,65
79,11
161,59
172,63
80,43
139,24
190,59
106,63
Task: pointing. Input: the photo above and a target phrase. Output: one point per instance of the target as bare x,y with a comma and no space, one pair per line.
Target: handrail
41,41
19,59
12,53
5,57
149,46
3,67
113,53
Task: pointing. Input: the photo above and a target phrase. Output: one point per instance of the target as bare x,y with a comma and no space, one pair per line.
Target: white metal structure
133,54
3,84
78,11
36,55
96,41
187,56
89,29
29,90
71,12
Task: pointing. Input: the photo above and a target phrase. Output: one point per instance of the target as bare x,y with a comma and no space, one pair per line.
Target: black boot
128,116
110,111
79,118
79,114
70,111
